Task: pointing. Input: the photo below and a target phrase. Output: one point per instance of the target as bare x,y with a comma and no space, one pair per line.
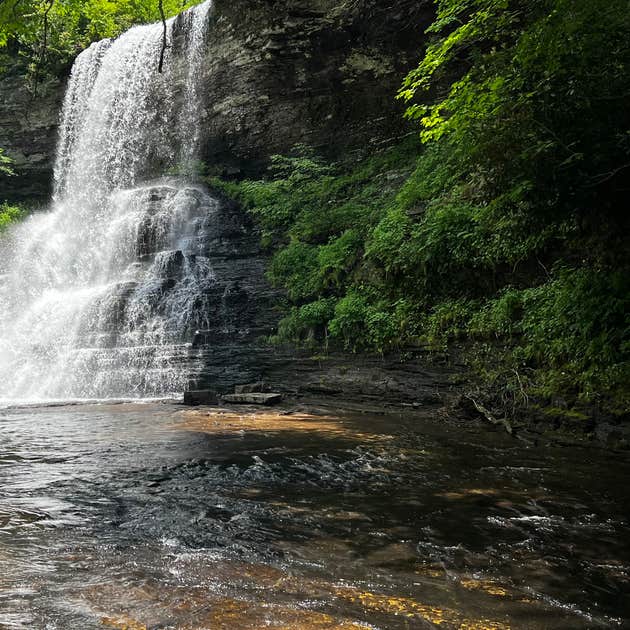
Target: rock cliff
278,72
318,72
28,133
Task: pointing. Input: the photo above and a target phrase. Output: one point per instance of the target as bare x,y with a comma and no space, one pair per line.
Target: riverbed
157,516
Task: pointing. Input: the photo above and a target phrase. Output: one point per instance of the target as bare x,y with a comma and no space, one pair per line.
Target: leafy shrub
10,214
296,267
308,322
5,164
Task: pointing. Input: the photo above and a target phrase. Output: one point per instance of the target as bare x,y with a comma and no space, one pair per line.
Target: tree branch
164,42
489,417
598,180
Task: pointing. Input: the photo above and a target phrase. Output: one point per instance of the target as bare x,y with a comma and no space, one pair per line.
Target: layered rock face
28,133
318,72
279,72
275,73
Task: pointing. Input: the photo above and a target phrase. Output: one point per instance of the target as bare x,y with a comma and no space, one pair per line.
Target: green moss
570,415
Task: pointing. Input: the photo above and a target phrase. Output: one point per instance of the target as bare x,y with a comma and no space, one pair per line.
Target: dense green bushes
506,233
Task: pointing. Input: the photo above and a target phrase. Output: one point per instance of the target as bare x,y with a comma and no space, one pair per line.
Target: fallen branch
489,417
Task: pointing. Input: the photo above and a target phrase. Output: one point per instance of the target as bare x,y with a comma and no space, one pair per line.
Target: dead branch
164,41
489,417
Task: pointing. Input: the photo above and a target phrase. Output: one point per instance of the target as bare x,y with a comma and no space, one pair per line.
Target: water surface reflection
152,516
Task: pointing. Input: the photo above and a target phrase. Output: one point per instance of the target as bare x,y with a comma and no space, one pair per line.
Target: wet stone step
252,398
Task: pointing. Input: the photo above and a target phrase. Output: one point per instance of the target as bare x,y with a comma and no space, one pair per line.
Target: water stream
159,517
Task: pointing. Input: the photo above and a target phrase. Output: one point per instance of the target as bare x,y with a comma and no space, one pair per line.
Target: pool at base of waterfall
152,515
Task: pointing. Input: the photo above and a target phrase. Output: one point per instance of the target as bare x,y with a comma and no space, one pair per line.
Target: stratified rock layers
276,73
282,72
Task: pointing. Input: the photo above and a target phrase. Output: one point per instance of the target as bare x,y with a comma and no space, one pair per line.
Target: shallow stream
153,516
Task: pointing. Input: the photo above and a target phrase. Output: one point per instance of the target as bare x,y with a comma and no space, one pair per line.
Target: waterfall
100,295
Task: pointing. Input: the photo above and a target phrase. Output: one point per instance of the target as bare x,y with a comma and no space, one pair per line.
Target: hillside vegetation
501,230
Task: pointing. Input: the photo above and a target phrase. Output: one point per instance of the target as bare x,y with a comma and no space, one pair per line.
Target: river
151,515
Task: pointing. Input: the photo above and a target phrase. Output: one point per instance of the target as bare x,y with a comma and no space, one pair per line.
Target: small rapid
100,294
159,517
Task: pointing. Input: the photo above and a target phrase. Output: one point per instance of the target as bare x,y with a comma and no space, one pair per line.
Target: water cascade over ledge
100,295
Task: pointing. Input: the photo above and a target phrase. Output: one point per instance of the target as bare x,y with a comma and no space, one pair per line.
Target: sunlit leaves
5,164
70,25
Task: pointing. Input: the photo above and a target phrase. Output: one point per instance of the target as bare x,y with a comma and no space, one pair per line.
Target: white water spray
99,295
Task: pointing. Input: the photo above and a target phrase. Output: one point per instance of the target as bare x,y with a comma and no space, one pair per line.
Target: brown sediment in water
411,608
276,599
199,609
232,614
226,421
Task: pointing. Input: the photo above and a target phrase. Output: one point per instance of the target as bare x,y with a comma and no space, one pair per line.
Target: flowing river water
150,515
147,515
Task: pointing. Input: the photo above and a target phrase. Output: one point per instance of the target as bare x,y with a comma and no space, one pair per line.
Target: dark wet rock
248,388
612,434
172,263
253,398
233,350
200,397
321,388
28,133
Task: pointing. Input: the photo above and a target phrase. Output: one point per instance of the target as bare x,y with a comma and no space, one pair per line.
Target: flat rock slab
252,398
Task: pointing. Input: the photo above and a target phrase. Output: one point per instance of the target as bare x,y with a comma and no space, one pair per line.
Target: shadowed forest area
500,231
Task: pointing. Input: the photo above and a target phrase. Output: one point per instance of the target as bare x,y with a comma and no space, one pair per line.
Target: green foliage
9,214
307,323
363,321
5,164
537,114
573,330
296,266
45,35
526,102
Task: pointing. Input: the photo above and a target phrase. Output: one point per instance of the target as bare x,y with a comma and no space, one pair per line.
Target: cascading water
99,295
